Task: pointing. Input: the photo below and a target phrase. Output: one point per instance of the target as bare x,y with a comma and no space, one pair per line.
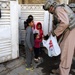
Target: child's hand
42,38
31,49
49,33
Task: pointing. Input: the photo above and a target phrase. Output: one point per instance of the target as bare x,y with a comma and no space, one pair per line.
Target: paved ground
44,67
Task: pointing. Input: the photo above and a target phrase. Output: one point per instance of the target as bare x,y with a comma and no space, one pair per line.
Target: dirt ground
48,63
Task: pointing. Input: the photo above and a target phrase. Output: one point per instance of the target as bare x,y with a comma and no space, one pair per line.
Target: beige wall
71,1
32,1
43,1
20,1
64,1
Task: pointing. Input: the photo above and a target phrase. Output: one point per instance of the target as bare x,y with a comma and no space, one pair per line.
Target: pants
29,57
68,48
36,52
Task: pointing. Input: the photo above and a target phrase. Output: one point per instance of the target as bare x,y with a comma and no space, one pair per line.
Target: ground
44,67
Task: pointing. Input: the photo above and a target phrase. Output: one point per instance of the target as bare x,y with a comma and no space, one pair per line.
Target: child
25,22
40,32
37,41
29,44
31,17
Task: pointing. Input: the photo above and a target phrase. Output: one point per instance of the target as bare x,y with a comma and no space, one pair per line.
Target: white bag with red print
52,46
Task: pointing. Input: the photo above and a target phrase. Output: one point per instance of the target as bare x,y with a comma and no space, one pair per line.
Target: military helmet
49,3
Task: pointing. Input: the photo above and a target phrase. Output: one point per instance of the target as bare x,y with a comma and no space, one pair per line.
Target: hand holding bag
52,46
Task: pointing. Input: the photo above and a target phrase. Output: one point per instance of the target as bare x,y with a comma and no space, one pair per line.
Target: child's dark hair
29,20
30,17
26,23
35,35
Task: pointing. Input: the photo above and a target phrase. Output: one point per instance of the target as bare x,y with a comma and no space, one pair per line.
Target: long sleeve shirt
29,38
64,21
37,43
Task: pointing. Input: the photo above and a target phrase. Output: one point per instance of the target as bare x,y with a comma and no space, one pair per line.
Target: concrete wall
8,30
39,16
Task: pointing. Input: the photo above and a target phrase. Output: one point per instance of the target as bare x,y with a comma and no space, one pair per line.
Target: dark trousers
36,52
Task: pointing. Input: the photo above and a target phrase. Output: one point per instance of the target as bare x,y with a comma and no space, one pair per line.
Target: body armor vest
71,16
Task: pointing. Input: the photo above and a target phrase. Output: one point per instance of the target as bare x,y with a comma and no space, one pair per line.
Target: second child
37,41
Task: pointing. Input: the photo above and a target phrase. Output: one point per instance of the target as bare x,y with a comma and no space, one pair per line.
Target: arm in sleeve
38,40
64,21
28,36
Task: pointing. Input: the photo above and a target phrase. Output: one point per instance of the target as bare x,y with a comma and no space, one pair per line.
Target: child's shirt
37,43
40,32
29,38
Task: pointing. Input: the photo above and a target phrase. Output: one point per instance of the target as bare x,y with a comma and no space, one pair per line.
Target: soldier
65,27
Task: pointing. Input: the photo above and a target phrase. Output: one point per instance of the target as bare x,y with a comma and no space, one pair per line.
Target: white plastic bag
52,46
